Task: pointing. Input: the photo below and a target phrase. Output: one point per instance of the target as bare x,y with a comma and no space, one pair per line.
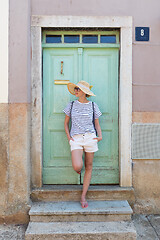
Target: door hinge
132,165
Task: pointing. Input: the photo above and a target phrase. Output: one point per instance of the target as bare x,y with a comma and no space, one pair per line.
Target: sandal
84,204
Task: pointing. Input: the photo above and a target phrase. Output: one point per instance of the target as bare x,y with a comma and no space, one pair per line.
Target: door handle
62,67
61,82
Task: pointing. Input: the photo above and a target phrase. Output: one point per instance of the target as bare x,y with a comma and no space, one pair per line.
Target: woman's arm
66,127
98,128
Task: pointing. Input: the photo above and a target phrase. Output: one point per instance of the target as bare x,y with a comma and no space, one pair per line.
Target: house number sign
142,33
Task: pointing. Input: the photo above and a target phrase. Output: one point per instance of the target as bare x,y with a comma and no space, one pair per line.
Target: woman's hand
70,139
98,128
66,127
98,138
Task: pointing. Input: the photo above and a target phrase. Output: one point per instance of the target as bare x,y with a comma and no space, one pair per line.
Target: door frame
124,24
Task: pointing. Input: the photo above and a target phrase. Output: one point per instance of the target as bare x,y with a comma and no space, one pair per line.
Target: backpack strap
71,109
94,118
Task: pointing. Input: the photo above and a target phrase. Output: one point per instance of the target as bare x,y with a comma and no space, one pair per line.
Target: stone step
73,193
73,212
80,230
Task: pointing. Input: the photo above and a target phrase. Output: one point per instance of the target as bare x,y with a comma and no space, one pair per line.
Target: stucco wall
4,151
15,115
4,18
19,51
146,179
4,138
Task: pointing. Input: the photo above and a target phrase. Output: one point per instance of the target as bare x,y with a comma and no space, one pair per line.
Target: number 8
142,32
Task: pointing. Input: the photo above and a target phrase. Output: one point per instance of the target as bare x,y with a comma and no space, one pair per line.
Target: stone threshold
73,193
71,211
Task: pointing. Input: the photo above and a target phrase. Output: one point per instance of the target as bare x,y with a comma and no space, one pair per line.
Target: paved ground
147,226
12,232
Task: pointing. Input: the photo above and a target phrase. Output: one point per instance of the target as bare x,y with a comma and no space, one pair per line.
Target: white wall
4,17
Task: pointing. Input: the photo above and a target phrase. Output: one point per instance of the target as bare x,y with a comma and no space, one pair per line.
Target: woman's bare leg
77,161
87,176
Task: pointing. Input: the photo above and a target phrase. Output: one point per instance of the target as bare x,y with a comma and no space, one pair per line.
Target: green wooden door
99,67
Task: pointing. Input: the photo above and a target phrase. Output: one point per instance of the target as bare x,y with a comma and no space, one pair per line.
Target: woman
84,116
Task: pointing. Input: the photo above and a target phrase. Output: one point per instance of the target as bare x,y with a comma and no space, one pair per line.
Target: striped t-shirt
82,117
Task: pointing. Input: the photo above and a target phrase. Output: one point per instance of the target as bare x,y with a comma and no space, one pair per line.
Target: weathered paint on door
99,67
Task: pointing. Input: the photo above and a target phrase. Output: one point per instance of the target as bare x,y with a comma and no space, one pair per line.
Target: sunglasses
77,89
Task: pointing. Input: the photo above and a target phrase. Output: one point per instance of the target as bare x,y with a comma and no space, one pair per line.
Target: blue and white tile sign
142,33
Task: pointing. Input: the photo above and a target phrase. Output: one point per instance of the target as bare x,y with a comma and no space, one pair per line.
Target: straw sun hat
84,86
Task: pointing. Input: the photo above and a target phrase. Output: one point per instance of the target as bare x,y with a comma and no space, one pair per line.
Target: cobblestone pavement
147,226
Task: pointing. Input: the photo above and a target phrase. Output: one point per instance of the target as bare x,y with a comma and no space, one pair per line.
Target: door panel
99,67
57,165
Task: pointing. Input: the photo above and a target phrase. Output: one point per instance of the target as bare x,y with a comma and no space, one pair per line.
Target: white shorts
85,142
